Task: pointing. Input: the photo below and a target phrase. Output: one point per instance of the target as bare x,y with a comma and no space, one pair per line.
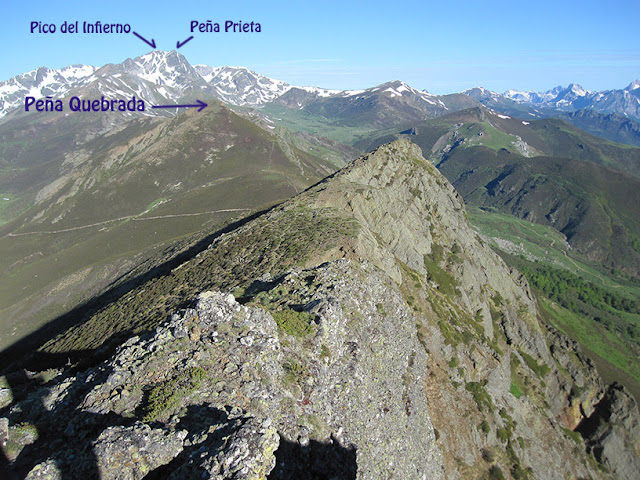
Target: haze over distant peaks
161,76
574,97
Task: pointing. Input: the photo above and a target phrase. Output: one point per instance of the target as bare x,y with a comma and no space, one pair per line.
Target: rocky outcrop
612,430
215,389
386,341
122,451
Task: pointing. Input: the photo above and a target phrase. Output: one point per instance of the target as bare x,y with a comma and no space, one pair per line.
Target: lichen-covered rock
130,453
246,452
408,351
45,471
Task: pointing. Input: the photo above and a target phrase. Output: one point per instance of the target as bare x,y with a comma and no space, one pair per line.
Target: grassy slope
549,137
614,356
557,138
303,121
596,208
34,148
542,243
269,245
148,189
611,354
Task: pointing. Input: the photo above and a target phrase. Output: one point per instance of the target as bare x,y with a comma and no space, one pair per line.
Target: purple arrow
200,104
180,44
151,43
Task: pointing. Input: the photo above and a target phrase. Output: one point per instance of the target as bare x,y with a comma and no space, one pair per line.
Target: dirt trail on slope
127,217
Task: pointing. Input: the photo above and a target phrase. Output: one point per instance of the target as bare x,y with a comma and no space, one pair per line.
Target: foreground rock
386,342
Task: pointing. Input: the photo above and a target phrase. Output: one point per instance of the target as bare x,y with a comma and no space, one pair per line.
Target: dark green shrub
295,372
480,396
495,473
503,435
168,395
484,427
293,323
487,455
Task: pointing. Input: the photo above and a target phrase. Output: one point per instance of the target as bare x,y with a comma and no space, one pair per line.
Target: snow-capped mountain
390,104
301,96
535,98
501,103
574,97
399,89
482,94
559,96
241,86
154,77
170,72
151,77
157,77
167,77
40,83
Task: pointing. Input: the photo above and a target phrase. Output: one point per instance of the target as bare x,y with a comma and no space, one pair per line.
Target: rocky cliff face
370,334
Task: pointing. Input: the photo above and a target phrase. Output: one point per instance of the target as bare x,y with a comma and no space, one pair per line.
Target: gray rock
391,356
130,453
45,471
612,430
246,453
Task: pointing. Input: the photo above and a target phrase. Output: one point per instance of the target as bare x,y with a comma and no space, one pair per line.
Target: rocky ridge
388,341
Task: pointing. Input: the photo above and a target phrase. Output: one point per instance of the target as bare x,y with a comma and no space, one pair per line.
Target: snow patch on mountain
167,76
40,83
633,85
322,92
241,86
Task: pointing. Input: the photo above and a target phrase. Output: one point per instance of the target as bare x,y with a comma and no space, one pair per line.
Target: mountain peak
396,88
577,89
480,93
159,59
161,55
41,82
633,85
240,85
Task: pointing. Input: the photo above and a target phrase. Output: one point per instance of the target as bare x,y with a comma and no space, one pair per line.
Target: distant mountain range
156,266
86,169
574,97
154,77
166,76
624,101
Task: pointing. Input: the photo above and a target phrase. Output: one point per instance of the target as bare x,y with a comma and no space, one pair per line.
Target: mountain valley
377,283
386,310
99,209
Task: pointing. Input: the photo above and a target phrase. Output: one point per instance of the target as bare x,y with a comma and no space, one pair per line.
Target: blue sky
443,47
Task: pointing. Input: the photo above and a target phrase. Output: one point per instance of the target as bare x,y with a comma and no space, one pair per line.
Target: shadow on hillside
23,354
315,461
66,436
58,432
214,427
